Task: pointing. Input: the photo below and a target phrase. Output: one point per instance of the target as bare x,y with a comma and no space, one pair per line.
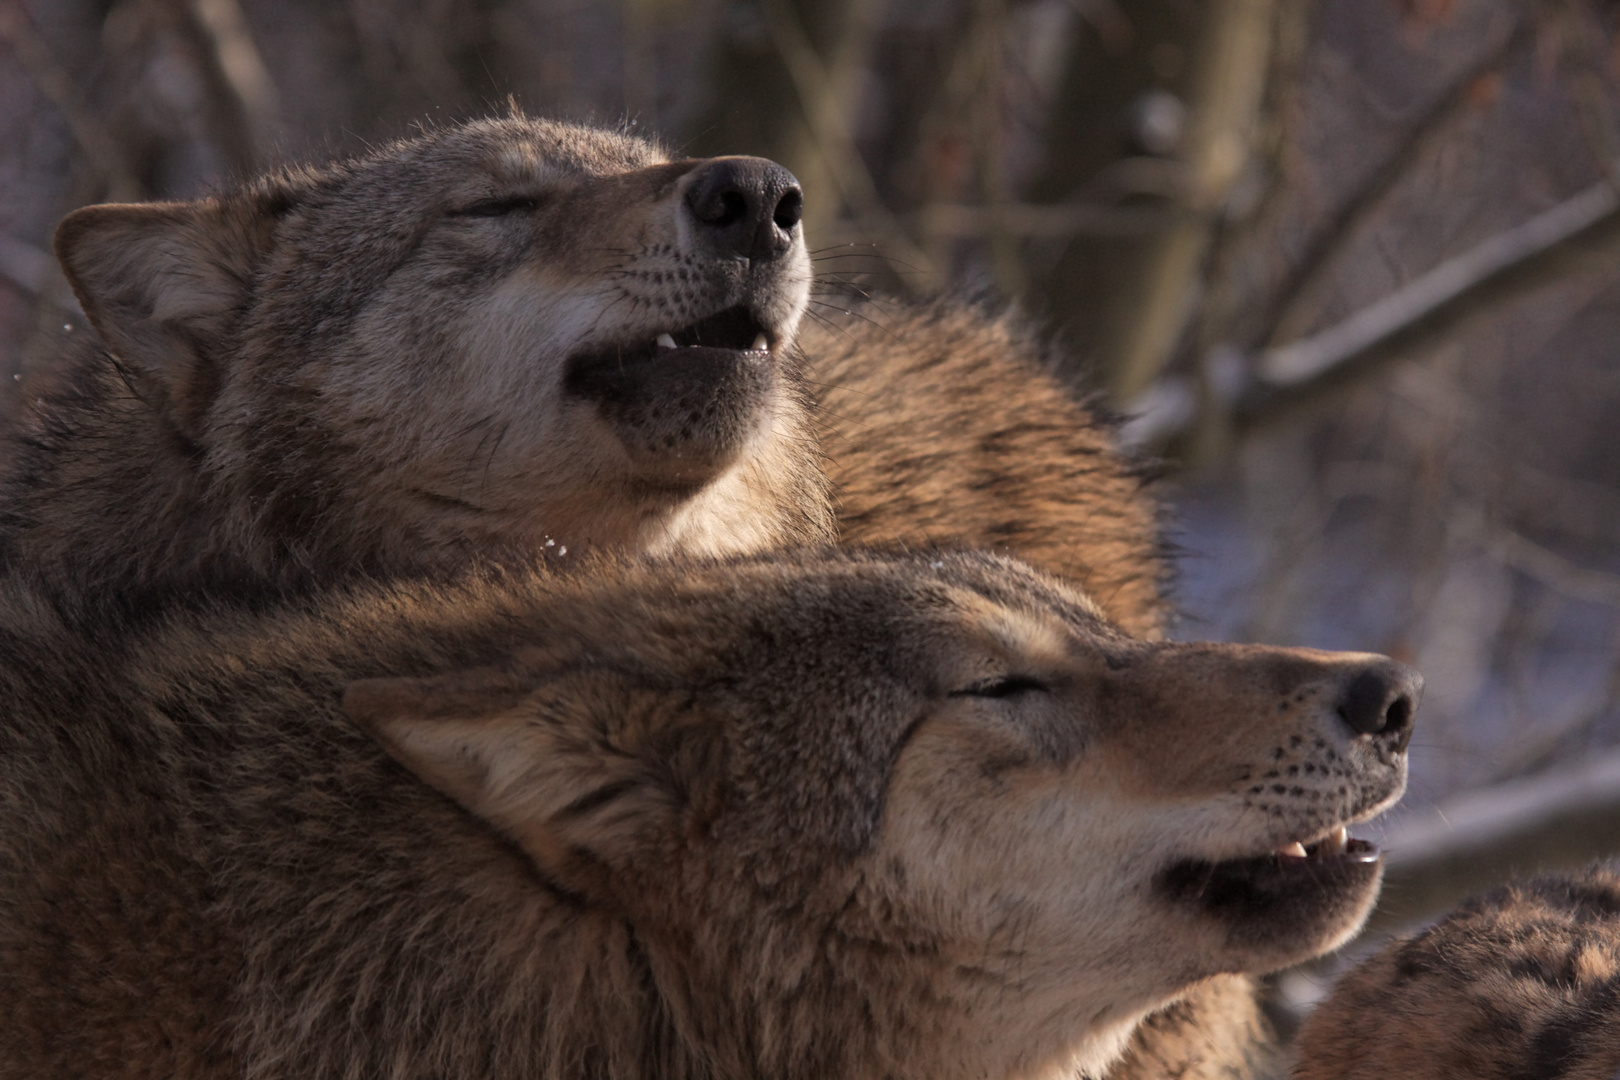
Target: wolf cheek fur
806,815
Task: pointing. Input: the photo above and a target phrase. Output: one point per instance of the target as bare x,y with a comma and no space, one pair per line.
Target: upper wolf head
483,338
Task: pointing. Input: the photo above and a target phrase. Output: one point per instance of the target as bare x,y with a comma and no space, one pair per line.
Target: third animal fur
517,339
1520,983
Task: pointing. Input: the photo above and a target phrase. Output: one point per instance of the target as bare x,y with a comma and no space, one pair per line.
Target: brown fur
802,815
391,365
1522,983
943,426
195,465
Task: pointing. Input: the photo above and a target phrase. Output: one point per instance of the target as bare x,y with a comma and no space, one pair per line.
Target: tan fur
1522,983
801,815
374,369
942,426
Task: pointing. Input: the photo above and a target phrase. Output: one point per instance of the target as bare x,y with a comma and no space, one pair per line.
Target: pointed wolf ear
580,769
163,283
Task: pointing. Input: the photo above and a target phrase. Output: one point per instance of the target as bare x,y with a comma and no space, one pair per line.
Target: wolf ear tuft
163,284
575,767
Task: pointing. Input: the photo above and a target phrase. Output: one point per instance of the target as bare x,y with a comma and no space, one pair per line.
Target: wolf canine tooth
760,344
1296,849
665,341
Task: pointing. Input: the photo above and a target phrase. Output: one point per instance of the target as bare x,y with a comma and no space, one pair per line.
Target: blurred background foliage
1348,266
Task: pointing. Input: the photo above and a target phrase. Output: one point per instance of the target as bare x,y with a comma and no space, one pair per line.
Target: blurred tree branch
56,84
825,96
241,71
1223,117
1440,294
1255,392
1553,570
1555,821
1330,236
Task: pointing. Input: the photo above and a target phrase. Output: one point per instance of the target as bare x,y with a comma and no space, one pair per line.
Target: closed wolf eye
512,204
1004,687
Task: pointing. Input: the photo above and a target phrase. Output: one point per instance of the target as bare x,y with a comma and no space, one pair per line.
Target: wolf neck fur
150,519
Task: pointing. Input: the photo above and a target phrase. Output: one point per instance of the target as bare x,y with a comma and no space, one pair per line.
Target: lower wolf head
484,338
807,815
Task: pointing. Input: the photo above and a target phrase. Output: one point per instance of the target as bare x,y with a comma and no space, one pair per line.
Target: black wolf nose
745,206
1381,699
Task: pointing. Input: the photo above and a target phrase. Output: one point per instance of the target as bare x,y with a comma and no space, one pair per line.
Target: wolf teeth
1334,843
666,341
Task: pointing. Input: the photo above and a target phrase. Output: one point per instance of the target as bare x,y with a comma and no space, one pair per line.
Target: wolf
1522,981
510,336
805,814
517,338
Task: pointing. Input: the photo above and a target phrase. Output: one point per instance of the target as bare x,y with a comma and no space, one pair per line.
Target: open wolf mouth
731,332
1293,877
683,401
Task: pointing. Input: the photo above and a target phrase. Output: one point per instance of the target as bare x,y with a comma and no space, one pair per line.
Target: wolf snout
1380,698
745,206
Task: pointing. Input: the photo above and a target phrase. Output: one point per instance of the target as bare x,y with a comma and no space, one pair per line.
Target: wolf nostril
1381,699
745,207
789,209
